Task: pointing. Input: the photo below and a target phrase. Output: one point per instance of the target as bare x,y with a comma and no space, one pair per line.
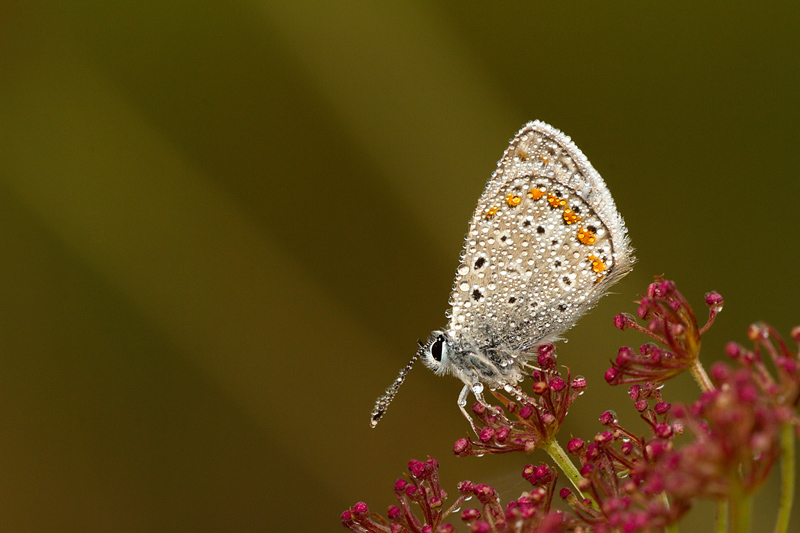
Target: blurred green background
226,224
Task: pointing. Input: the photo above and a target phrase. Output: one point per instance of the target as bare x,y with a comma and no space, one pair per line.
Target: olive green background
225,225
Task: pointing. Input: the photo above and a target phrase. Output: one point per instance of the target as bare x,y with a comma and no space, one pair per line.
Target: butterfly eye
436,348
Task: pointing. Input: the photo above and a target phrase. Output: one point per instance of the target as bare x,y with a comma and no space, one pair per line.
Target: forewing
545,242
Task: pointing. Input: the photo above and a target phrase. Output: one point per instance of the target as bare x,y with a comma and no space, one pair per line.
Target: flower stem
557,454
721,520
700,376
787,478
741,508
672,528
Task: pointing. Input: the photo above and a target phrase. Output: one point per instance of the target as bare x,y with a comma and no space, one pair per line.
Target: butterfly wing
544,244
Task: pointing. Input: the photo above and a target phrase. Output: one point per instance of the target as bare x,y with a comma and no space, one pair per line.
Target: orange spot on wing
570,216
586,237
597,264
535,193
513,200
555,201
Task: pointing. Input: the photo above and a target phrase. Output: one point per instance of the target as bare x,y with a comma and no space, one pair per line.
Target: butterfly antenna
382,403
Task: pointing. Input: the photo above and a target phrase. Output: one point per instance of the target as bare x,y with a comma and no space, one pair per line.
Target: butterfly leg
462,404
518,393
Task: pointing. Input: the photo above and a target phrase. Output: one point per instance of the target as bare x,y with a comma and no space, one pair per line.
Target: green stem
672,528
741,508
721,520
787,478
700,376
565,464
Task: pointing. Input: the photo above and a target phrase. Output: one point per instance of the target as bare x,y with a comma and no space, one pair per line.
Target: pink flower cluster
721,447
522,425
671,322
